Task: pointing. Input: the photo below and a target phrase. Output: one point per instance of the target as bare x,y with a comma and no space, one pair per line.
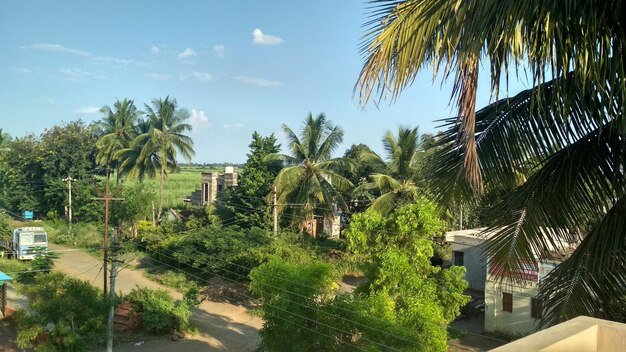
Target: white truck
25,243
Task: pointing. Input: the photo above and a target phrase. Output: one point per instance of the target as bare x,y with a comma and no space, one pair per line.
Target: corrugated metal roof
4,277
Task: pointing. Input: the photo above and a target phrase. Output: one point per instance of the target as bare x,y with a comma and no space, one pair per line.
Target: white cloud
88,110
233,126
198,119
48,99
76,74
218,50
258,37
158,76
56,48
21,70
158,48
116,61
259,82
198,76
188,53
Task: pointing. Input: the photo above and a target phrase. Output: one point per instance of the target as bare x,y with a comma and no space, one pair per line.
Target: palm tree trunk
160,210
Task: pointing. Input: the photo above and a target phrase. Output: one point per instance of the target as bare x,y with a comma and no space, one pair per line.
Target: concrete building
510,308
212,184
327,225
466,251
581,334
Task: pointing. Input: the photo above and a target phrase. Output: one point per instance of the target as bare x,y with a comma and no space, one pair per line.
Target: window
535,308
458,258
507,302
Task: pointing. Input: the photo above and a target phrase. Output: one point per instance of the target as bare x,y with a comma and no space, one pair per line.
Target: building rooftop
5,277
581,334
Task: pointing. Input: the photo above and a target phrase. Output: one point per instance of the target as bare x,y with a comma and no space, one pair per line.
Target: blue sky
237,66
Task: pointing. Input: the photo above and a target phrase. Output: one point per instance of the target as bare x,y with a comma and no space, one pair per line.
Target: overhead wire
292,293
288,300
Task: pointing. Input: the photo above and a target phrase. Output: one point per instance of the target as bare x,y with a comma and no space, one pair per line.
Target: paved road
222,326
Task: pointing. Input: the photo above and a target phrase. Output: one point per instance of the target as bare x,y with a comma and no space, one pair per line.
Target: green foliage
84,235
396,253
396,184
312,179
73,309
136,204
157,146
159,312
31,176
228,252
5,225
277,283
246,204
405,303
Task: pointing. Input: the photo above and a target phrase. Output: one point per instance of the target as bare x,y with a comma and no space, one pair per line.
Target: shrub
159,312
72,311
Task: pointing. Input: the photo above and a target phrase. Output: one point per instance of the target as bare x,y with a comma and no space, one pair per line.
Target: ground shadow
219,333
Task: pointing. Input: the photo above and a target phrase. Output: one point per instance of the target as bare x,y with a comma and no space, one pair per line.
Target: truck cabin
29,242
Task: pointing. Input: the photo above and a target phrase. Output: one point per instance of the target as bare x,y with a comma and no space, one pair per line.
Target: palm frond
593,279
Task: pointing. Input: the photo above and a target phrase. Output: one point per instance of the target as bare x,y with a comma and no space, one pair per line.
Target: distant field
179,185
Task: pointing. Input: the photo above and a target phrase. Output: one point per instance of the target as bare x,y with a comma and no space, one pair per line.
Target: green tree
569,127
396,184
310,183
246,204
22,186
158,148
68,150
405,304
75,309
117,130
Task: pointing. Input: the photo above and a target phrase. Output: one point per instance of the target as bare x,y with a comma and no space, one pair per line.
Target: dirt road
222,326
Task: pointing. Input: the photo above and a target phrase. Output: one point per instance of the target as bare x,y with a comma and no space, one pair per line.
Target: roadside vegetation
544,166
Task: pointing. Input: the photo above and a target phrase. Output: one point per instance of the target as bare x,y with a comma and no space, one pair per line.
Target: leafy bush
72,311
85,235
159,312
228,252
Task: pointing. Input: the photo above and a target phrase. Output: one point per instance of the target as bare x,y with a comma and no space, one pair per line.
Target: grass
178,185
11,266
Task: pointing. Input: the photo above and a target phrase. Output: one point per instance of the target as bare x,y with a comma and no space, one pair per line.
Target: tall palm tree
117,131
310,184
569,126
157,148
396,184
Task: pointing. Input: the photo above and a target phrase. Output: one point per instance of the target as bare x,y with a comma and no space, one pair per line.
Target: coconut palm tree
118,128
157,148
396,183
310,184
569,127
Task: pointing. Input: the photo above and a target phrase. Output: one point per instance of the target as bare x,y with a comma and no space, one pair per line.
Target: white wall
517,322
474,263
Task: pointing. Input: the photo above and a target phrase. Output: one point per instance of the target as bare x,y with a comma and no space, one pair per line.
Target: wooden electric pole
107,198
69,181
275,212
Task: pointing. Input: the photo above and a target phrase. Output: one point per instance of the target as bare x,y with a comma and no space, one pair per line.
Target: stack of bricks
126,319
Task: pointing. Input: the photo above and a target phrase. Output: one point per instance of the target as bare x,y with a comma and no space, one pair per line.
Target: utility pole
460,216
108,197
69,181
111,317
275,213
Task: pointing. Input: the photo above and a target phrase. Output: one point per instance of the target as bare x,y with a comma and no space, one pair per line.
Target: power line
288,300
290,292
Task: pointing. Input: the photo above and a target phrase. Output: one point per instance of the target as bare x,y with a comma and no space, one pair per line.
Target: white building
466,251
509,308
